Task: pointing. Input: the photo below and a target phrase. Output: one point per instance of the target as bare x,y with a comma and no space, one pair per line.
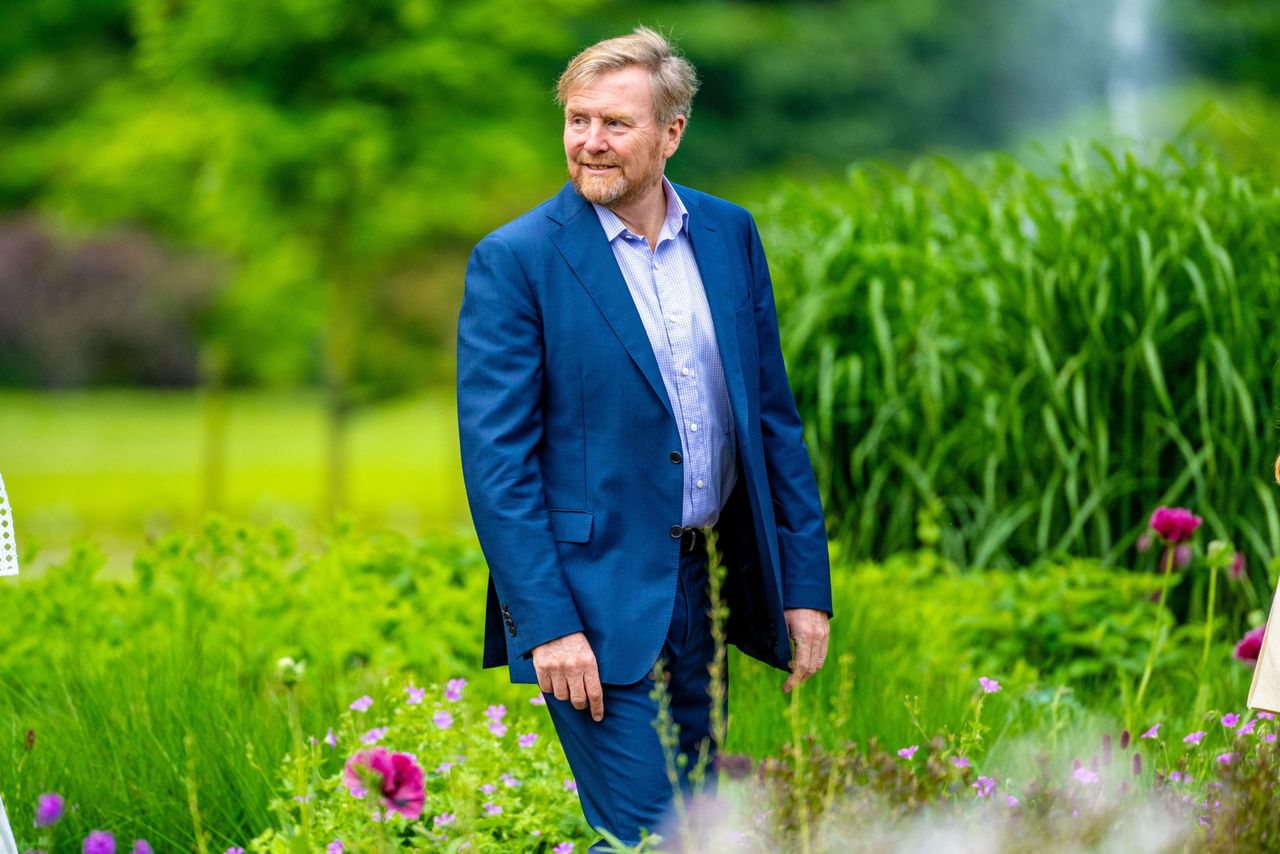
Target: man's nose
595,138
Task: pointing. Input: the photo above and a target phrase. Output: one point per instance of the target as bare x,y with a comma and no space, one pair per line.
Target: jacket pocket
571,526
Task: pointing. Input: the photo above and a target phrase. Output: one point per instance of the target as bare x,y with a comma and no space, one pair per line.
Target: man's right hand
567,668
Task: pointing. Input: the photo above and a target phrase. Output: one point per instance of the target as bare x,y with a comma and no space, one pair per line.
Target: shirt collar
677,217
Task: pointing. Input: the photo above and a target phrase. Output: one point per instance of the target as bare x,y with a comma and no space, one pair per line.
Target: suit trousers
618,763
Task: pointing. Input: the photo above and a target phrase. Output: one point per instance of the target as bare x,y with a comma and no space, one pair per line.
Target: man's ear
675,133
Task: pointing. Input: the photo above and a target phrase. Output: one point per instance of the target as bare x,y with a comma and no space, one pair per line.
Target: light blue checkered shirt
667,289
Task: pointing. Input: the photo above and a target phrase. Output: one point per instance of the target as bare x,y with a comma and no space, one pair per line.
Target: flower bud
289,671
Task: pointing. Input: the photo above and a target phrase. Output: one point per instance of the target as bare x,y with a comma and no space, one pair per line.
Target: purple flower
443,767
362,704
537,700
496,713
509,781
488,788
1011,800
491,808
330,739
443,820
1238,566
960,761
1194,738
527,739
374,735
1084,775
453,690
99,842
498,728
1250,646
415,695
49,809
141,846
1269,738
1153,732
1267,716
1230,719
990,686
334,847
1174,524
1248,727
1175,776
234,851
571,786
985,786
908,752
563,848
442,719
1225,758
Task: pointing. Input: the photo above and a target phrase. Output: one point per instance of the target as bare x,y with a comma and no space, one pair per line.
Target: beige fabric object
1264,692
8,544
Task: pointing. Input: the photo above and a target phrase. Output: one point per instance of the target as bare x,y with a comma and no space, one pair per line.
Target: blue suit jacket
570,451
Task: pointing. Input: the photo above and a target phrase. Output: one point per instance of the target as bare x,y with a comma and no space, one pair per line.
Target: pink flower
1182,556
442,719
1175,776
49,809
398,777
1266,716
1226,758
985,786
571,786
1084,775
443,767
443,820
1230,719
453,690
492,809
362,704
415,695
334,847
330,739
908,752
537,700
990,686
1194,738
1151,733
563,848
1238,566
496,713
528,739
488,788
99,842
1174,524
1248,727
1011,801
374,735
960,762
509,781
1250,646
498,728
1269,738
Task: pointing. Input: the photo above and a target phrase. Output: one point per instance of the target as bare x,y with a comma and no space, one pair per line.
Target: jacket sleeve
500,375
802,535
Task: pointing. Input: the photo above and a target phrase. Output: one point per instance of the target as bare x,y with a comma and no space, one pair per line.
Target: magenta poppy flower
49,809
398,776
1174,524
99,842
1250,646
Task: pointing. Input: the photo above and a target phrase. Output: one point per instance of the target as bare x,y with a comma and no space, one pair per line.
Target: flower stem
1203,691
1159,634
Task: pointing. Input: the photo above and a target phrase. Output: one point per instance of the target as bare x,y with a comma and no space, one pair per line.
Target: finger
806,657
561,686
544,681
595,692
578,691
822,657
793,679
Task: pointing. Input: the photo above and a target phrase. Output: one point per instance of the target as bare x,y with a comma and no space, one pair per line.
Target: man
620,392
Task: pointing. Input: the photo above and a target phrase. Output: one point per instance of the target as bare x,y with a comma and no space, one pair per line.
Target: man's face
615,148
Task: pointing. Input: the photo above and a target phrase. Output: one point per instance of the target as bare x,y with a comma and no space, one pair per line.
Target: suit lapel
713,267
582,243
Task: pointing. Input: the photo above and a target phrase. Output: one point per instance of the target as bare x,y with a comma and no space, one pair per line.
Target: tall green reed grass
1035,360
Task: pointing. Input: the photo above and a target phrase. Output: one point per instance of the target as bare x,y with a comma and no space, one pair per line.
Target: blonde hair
672,78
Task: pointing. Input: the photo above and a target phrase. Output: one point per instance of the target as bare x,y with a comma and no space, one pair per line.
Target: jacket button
676,531
675,456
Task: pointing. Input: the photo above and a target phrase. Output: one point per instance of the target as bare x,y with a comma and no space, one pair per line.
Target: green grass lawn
118,466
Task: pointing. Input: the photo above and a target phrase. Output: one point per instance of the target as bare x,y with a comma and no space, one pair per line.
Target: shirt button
693,427
675,457
684,371
676,531
700,484
671,317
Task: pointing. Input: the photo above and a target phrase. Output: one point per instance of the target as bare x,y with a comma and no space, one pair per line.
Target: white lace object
8,544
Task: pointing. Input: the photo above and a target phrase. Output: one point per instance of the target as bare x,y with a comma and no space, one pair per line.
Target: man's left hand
810,631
